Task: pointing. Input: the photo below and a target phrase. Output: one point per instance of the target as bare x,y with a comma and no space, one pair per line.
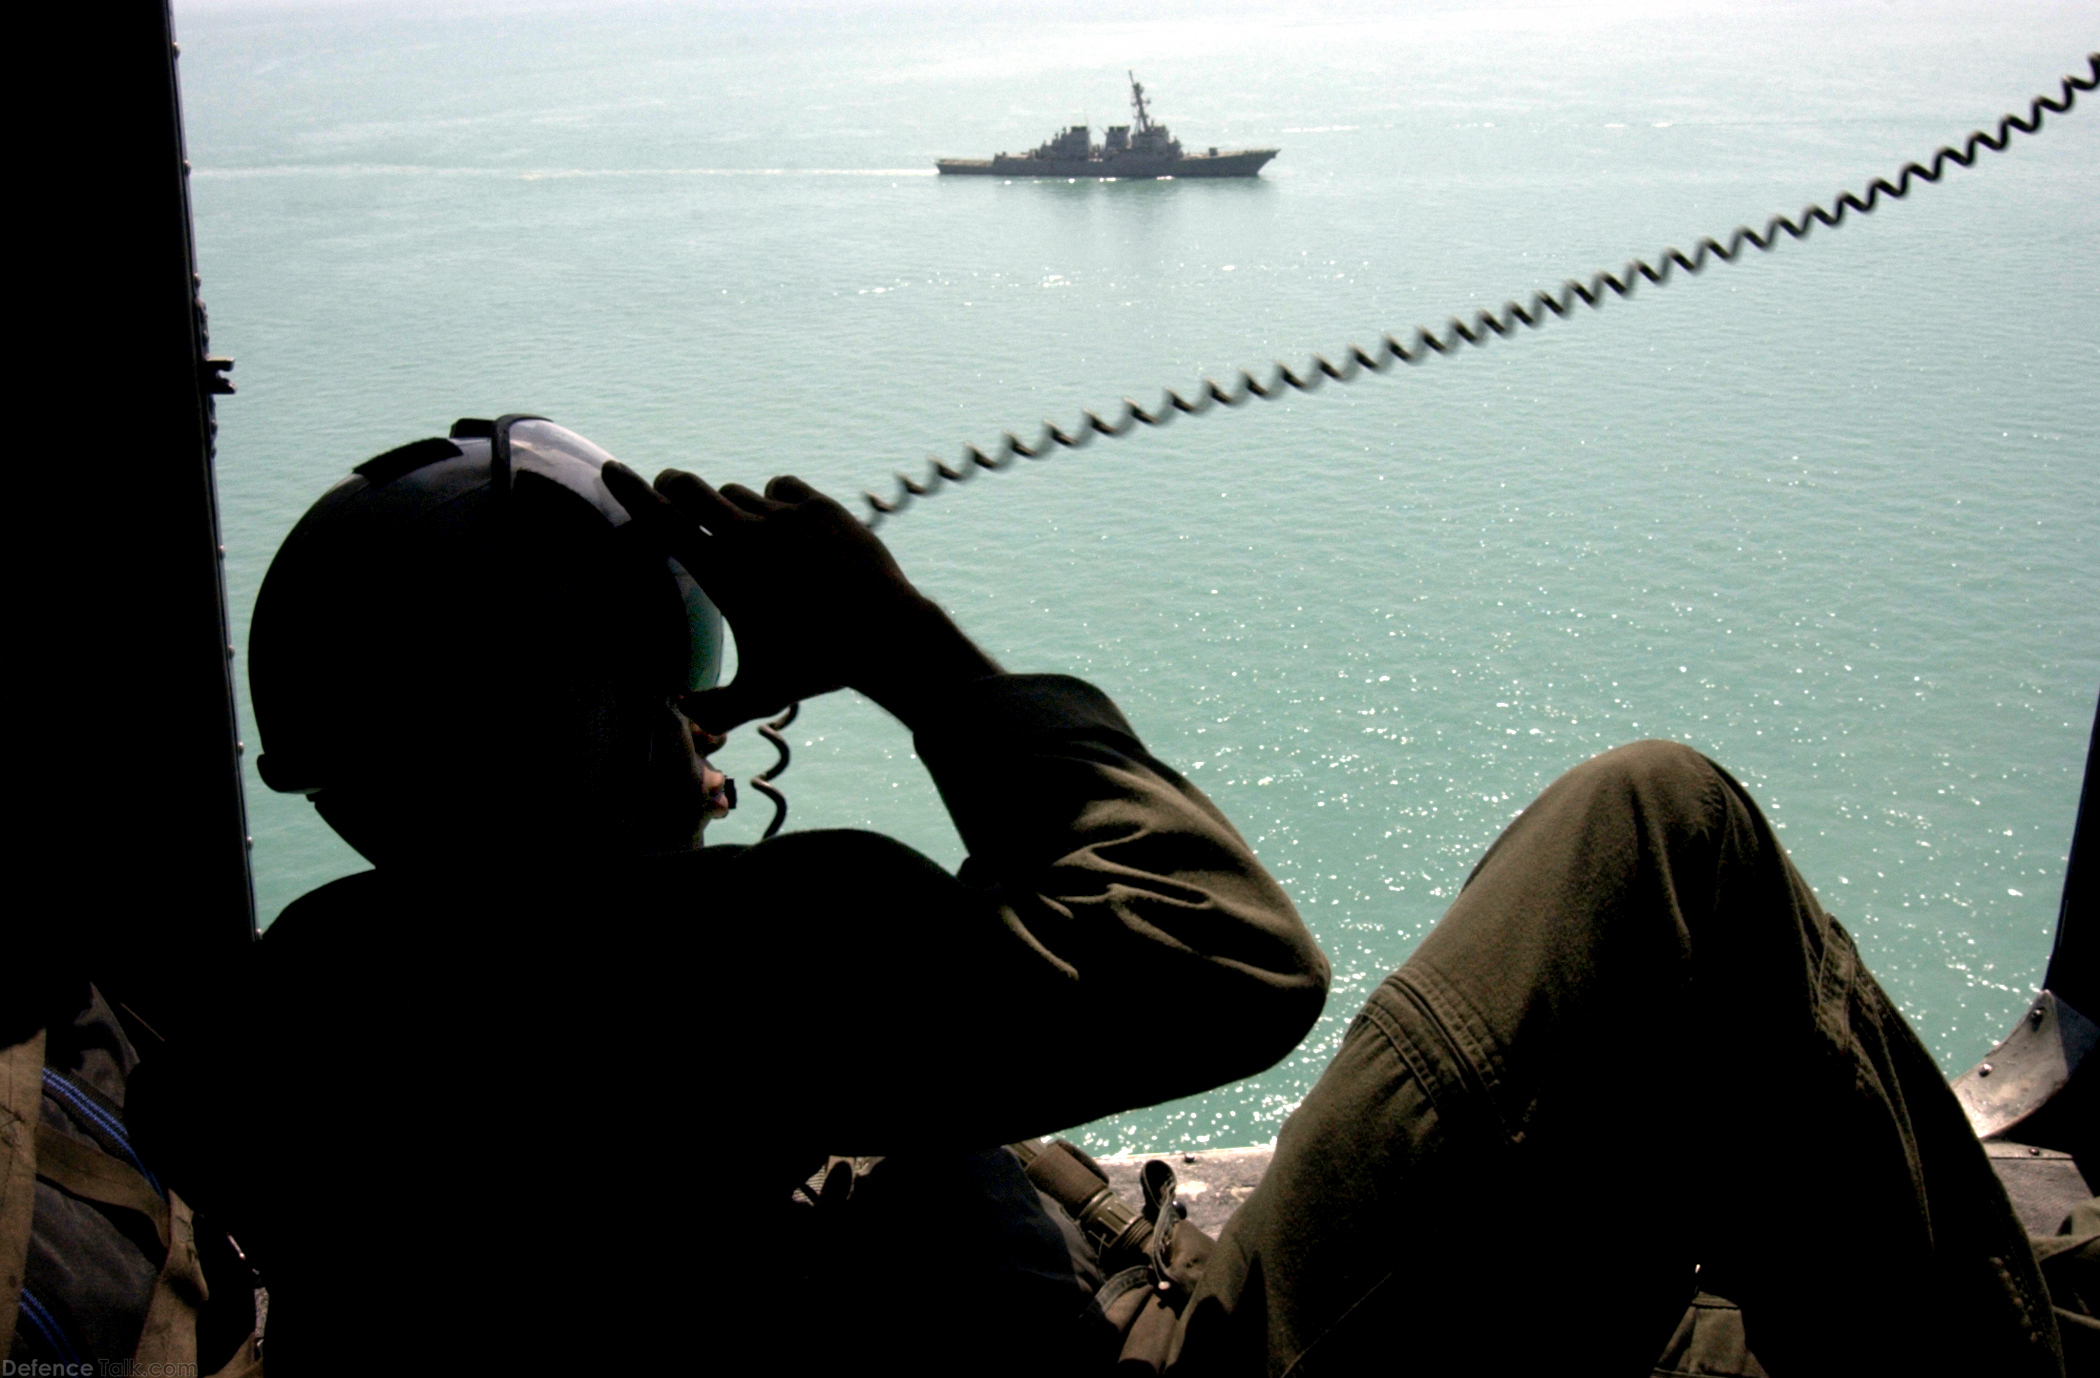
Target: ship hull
1239,162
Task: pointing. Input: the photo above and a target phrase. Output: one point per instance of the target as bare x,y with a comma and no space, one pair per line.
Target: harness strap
170,1334
106,1120
87,1172
21,1109
1070,1178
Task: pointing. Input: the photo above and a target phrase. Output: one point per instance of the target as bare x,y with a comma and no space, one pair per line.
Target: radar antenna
1140,120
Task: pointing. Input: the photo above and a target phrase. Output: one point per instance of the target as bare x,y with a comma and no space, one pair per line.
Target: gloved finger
788,488
678,533
748,501
630,488
692,496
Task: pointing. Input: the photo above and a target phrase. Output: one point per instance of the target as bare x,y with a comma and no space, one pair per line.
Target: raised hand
814,598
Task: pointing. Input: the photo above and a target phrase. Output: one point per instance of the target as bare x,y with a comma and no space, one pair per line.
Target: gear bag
100,1264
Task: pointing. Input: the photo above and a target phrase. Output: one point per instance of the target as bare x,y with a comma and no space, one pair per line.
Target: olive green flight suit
1635,1061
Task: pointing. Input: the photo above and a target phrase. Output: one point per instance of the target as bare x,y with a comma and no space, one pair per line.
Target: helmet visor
533,444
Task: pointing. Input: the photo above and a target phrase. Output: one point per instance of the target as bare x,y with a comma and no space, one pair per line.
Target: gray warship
1139,149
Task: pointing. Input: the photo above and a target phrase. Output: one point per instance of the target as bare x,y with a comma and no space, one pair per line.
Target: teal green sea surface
1831,515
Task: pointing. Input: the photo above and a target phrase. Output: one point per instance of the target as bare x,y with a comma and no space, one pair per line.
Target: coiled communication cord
1485,326
763,782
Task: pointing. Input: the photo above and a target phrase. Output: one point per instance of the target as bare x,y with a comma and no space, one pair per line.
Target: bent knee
1664,776
1654,761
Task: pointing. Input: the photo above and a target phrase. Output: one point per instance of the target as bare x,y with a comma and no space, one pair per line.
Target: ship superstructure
1144,148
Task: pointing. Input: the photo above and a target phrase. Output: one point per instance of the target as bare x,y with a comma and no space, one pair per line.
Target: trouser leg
1635,1046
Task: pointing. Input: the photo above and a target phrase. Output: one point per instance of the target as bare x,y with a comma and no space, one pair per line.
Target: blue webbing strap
47,1329
89,1109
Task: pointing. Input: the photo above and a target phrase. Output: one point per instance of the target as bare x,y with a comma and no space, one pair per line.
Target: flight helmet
470,604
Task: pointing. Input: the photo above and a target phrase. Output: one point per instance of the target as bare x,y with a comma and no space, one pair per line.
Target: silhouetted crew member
537,1087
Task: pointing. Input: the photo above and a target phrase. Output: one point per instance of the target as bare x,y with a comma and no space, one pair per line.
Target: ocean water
1829,515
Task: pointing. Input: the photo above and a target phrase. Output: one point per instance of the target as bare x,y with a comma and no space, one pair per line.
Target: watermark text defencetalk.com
106,1368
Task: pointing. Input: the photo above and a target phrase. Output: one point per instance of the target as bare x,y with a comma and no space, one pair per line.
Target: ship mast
1140,120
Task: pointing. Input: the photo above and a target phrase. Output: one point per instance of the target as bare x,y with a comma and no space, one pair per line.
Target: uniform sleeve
1111,942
